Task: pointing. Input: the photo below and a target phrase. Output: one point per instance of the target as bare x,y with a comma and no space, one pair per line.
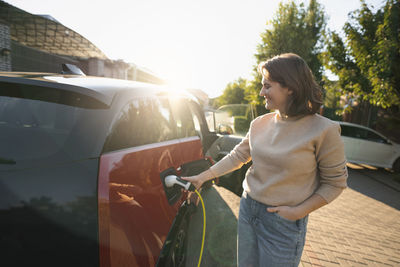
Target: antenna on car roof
71,69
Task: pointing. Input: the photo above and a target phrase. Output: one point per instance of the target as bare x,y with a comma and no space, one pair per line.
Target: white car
363,145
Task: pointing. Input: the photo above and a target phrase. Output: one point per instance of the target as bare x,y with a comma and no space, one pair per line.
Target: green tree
233,93
332,99
368,62
296,29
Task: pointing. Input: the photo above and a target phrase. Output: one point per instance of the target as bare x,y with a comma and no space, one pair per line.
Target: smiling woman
298,166
275,95
293,94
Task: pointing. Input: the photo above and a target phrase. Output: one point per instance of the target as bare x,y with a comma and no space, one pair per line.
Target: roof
100,88
45,33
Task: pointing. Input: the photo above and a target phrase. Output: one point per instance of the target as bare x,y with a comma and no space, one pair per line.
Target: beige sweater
293,158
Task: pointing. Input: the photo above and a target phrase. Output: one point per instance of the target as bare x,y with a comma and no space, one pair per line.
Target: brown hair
291,71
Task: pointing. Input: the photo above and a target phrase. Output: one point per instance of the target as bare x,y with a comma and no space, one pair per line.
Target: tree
294,29
233,93
368,62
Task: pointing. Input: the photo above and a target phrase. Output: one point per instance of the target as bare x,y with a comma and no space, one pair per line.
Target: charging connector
173,180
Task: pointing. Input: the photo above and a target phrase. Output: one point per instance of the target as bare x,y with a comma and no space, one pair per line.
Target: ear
290,92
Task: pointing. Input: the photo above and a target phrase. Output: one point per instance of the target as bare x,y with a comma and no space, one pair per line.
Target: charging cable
204,226
173,180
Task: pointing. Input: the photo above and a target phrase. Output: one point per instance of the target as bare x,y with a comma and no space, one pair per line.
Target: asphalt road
377,184
360,228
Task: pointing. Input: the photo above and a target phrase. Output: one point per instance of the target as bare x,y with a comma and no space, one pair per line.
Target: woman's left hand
287,212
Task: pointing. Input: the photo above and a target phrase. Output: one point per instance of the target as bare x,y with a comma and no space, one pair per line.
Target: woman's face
275,95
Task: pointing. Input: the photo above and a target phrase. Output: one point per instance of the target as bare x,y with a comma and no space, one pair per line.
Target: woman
298,165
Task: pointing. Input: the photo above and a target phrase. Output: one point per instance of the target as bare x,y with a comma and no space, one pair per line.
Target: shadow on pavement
221,233
377,184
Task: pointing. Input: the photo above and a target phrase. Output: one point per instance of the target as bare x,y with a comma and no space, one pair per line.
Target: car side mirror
224,129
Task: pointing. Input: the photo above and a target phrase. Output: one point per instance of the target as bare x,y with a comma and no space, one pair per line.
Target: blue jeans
267,239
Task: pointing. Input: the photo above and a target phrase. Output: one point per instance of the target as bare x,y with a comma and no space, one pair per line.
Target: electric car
363,145
82,163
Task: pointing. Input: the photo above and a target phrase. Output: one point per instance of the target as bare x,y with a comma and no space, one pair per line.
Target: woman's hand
302,210
198,180
287,212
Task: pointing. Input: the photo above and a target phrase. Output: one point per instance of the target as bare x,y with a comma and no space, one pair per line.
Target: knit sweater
292,158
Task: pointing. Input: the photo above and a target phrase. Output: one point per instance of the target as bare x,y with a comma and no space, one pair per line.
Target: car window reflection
143,121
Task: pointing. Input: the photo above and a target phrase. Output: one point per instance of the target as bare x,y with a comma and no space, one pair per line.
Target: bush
241,124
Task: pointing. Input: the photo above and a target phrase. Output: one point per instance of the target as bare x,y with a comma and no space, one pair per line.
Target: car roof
100,88
353,124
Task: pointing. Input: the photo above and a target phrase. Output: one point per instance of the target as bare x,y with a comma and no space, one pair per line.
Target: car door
135,216
374,149
148,139
190,138
193,135
366,147
349,138
223,121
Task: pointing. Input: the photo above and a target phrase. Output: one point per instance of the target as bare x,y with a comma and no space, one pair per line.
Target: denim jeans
267,239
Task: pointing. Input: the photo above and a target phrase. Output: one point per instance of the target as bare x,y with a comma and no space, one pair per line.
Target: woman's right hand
198,180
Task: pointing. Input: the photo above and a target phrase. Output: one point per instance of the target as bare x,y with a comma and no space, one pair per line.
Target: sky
199,44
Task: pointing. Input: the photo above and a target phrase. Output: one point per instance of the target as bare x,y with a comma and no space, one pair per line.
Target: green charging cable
204,226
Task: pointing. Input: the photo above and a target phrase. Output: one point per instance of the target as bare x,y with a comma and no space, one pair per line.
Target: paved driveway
360,228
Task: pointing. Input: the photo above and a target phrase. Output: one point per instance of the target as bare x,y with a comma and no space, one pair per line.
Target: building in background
40,43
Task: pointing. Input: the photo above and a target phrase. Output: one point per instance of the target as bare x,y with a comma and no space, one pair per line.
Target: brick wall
25,58
5,58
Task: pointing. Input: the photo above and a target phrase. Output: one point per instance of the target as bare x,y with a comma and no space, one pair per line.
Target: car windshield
36,127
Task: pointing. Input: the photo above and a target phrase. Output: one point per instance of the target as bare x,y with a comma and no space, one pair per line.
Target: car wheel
396,165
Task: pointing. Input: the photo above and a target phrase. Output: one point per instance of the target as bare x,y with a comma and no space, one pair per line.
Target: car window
355,132
360,133
43,124
210,119
142,121
199,125
347,131
183,118
371,136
